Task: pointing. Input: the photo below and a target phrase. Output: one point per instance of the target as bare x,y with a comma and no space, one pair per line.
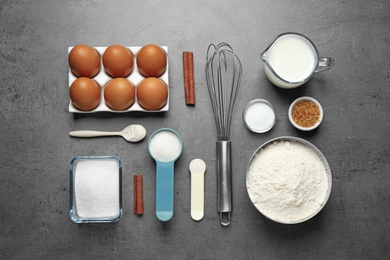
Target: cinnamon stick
138,195
189,83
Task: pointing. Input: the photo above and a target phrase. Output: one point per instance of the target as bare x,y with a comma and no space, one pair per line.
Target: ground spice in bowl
305,113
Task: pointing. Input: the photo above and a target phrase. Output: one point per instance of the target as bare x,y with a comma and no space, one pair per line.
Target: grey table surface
36,149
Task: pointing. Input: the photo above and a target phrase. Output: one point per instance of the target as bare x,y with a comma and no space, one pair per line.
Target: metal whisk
223,76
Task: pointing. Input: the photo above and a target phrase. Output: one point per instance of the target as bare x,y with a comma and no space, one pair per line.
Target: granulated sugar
97,188
165,146
287,181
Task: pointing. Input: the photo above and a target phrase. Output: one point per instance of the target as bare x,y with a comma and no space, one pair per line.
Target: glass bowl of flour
288,180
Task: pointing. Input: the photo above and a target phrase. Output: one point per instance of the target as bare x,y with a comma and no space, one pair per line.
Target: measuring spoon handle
164,190
197,196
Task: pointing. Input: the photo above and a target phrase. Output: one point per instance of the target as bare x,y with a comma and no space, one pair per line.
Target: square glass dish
95,189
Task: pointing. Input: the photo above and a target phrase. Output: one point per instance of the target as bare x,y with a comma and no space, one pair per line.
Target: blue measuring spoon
165,146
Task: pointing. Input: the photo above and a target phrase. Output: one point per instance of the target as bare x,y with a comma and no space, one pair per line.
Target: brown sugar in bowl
305,113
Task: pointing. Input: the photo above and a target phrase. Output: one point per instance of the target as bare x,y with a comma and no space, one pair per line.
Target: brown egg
152,93
85,94
151,60
119,94
84,61
118,61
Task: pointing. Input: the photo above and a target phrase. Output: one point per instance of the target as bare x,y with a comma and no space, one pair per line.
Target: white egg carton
135,77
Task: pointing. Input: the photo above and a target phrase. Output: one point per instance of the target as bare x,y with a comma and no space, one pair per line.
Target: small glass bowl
259,116
95,189
301,127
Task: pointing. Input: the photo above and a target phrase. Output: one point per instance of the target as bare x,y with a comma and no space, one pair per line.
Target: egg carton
135,77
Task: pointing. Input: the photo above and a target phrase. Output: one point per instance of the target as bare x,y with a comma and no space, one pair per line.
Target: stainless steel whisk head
223,76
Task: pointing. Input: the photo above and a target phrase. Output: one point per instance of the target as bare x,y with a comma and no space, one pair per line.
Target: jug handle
324,63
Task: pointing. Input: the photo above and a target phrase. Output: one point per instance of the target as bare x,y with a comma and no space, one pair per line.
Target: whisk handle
224,181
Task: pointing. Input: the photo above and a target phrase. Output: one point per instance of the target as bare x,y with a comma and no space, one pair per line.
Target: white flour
287,181
136,132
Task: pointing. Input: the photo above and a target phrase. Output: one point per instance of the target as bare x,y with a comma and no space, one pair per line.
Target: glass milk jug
291,60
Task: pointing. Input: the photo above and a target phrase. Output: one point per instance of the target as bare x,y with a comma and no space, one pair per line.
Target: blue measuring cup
165,146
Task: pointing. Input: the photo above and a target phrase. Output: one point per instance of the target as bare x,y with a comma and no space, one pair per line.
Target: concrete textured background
36,150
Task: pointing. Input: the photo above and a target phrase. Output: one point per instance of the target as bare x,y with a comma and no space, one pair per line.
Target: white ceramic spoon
132,133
